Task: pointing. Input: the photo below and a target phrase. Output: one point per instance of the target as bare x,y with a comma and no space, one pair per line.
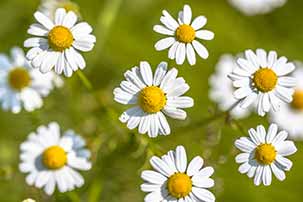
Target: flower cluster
257,80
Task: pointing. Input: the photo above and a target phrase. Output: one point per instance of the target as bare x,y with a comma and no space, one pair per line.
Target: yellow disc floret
60,38
54,157
185,33
179,185
19,78
297,102
265,154
265,79
152,99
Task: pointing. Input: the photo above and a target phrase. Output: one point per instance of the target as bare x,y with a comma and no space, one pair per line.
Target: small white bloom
290,116
28,200
153,95
221,88
52,160
263,79
176,180
49,7
257,6
264,154
21,86
182,36
57,42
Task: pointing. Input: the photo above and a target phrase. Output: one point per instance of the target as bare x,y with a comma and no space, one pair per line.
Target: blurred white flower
290,116
153,96
21,86
57,42
221,87
52,160
182,36
176,180
28,200
49,7
264,154
256,7
263,79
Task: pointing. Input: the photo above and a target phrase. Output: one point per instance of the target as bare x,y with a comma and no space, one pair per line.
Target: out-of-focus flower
29,200
57,42
264,154
173,180
49,7
263,79
290,116
257,6
221,88
52,160
21,86
153,95
182,36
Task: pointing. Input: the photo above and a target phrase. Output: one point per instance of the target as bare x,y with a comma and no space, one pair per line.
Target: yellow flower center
179,185
19,78
297,102
54,157
185,33
60,38
265,79
152,99
265,154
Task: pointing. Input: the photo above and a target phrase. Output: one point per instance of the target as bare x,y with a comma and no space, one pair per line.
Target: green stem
85,80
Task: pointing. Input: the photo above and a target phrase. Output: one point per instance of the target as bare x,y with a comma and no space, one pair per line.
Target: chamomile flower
263,79
29,200
290,116
173,180
221,88
182,36
257,6
49,7
21,86
152,96
264,154
57,42
51,160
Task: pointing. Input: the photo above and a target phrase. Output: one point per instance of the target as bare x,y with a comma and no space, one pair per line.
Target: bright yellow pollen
19,78
185,33
297,102
179,185
60,38
265,154
54,157
152,99
265,79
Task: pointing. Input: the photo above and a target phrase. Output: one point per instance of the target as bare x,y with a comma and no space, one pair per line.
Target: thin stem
85,80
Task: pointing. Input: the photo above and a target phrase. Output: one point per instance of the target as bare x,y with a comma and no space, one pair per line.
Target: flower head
174,180
263,79
153,95
182,36
21,86
52,160
57,42
264,154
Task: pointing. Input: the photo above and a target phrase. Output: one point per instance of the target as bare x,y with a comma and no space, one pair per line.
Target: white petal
163,124
258,176
45,21
284,163
160,73
162,30
194,166
205,35
272,132
243,157
153,177
279,173
181,159
70,19
200,49
199,22
159,165
172,51
266,177
190,53
180,102
59,16
175,113
286,148
187,14
245,144
203,194
146,73
180,54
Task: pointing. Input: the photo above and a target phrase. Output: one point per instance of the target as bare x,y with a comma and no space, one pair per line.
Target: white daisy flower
290,116
57,42
21,86
153,96
256,7
265,153
49,7
263,79
52,160
221,87
29,200
182,36
173,180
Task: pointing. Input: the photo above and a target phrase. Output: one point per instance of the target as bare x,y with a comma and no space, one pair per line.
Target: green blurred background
124,38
